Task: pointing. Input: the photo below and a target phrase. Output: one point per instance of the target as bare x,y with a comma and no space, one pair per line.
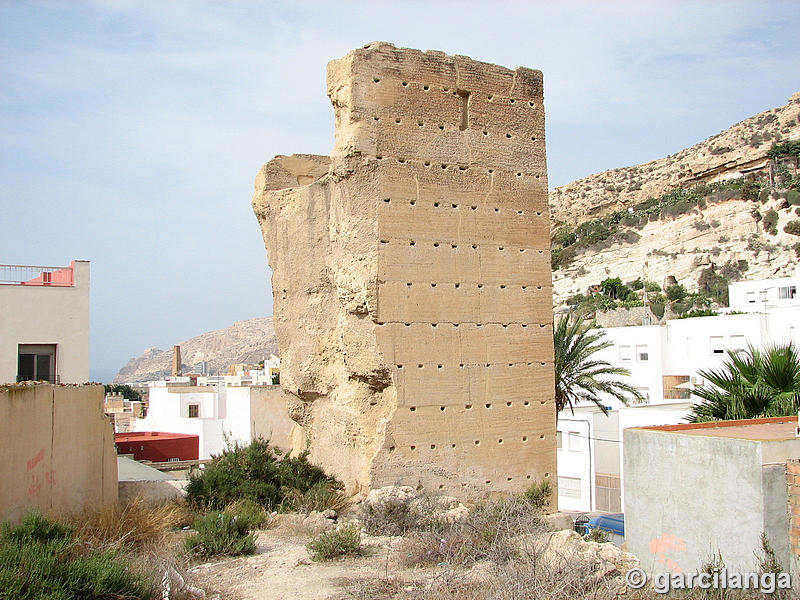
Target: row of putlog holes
461,168
456,205
426,87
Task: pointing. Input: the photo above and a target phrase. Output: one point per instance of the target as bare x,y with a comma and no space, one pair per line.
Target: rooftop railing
37,275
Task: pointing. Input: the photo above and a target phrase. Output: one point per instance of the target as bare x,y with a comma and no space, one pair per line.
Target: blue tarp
614,523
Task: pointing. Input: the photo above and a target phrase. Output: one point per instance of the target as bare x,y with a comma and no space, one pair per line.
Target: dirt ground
281,569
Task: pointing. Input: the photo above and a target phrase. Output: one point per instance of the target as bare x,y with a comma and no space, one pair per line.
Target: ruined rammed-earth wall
411,280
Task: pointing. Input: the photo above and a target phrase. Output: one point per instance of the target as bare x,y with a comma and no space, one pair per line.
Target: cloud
131,132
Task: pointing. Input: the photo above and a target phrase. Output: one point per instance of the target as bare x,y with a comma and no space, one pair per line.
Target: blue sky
131,132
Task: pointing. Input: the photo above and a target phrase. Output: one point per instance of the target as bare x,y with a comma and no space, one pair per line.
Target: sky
131,132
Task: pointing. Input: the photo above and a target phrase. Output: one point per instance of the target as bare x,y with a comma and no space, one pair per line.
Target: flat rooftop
135,436
766,430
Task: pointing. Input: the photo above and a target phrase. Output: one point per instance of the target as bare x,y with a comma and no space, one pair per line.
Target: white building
664,361
44,323
219,414
765,293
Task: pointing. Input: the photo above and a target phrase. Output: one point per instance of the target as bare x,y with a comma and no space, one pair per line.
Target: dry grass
487,533
133,527
320,497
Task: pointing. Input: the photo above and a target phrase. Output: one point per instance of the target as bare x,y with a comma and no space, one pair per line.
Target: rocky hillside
243,342
717,212
739,148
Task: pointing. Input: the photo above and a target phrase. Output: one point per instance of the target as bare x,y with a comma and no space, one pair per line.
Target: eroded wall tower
411,276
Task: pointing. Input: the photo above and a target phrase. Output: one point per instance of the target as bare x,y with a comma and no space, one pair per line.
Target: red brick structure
157,446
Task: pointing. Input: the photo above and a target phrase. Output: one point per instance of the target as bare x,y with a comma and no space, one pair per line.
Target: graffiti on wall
664,544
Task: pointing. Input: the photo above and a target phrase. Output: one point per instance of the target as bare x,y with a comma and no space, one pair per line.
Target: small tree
127,391
578,375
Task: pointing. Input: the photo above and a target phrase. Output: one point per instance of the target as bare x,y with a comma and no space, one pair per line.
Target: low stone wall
58,450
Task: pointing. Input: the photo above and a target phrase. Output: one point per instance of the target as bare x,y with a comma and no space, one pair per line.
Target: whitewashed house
664,361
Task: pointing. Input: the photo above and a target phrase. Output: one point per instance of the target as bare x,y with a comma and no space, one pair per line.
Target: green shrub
784,148
345,541
249,512
539,494
770,221
597,535
793,227
714,284
675,293
257,472
702,312
221,534
652,286
793,197
39,559
796,249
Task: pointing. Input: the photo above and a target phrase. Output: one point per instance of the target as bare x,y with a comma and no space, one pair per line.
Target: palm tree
578,375
751,383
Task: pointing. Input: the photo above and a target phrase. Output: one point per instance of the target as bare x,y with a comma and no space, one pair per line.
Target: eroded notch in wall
465,96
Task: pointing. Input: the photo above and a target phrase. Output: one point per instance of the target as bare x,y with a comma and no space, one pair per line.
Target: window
644,391
625,354
194,411
36,362
641,353
737,343
574,441
716,344
787,292
569,487
559,440
751,297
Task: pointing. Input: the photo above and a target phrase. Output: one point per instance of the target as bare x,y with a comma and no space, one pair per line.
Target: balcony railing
37,275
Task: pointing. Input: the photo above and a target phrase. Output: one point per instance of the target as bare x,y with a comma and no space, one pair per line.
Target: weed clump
221,534
337,543
539,494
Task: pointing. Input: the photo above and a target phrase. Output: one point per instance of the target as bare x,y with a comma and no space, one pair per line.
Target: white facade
664,361
218,415
765,293
44,323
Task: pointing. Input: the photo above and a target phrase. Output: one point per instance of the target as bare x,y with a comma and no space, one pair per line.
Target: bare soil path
282,569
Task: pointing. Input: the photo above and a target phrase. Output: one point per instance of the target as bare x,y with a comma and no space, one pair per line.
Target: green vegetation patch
260,473
41,560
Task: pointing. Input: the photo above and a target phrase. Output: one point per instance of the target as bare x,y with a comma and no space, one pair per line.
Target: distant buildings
664,361
44,323
219,410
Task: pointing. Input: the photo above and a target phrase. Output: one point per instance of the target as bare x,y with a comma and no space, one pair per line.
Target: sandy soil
281,569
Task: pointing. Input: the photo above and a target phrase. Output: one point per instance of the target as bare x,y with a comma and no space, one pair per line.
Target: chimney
176,361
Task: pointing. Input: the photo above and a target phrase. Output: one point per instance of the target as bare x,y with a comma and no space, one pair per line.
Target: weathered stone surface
411,281
421,508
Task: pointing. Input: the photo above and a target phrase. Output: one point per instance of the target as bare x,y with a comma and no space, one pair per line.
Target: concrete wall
270,420
689,496
39,314
58,450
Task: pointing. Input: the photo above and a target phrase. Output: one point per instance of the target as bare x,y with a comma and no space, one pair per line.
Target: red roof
135,436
